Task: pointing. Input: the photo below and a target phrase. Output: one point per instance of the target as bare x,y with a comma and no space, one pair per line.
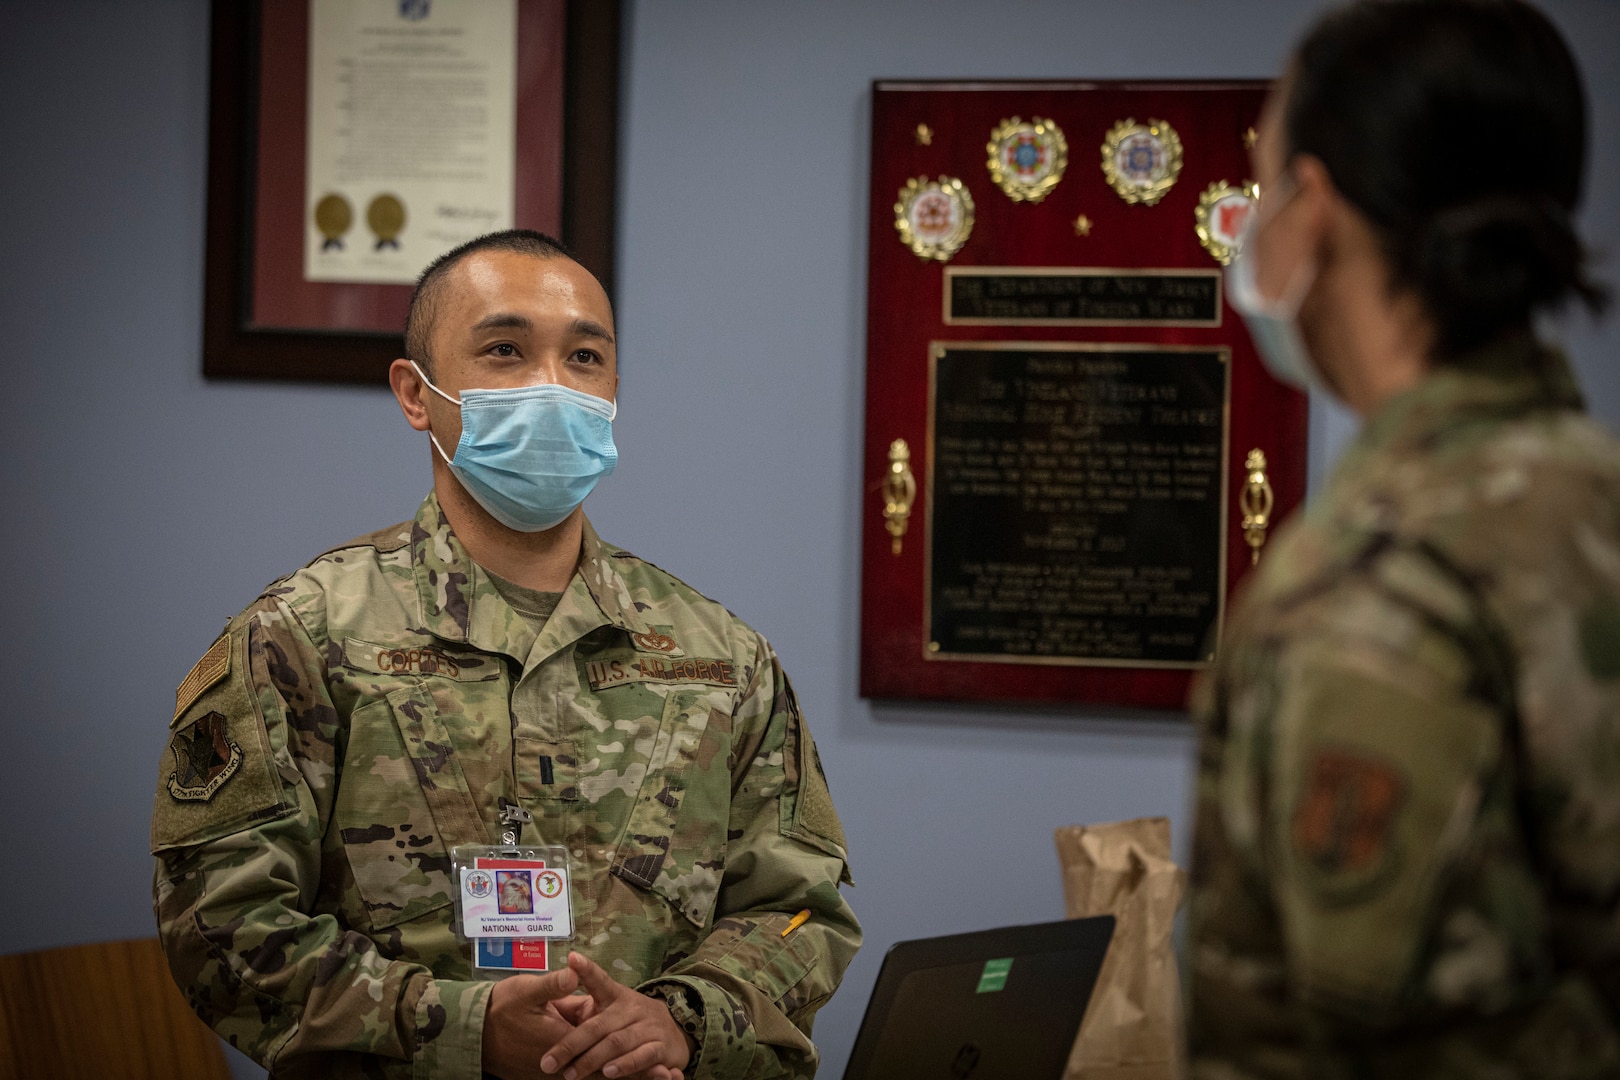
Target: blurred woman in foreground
1408,851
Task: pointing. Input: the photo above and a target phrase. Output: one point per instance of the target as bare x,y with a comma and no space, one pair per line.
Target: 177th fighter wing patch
205,757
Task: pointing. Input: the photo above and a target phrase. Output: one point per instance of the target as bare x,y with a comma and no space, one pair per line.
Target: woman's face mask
531,454
1274,323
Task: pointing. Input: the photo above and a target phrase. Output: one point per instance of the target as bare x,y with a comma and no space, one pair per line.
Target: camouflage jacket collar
1383,488
1504,381
460,603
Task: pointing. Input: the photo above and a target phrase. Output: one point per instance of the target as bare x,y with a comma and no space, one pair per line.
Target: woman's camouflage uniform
1408,851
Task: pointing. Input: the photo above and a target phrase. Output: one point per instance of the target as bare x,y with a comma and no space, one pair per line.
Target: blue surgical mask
530,455
1273,324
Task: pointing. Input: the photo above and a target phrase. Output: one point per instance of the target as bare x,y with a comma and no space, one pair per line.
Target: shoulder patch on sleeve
217,774
214,666
1345,820
204,759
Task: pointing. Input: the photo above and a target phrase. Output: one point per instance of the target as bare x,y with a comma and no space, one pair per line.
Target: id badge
511,903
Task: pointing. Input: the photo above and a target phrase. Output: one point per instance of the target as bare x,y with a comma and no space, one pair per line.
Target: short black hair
1458,127
424,300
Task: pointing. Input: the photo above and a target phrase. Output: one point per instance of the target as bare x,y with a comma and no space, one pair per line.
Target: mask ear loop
435,389
1293,298
1246,297
613,410
447,397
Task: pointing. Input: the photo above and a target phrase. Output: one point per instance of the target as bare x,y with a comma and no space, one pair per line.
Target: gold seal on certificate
1223,213
1141,161
333,216
386,216
1027,160
934,217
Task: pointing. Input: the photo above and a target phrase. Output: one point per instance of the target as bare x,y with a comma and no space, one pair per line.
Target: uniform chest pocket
674,843
402,802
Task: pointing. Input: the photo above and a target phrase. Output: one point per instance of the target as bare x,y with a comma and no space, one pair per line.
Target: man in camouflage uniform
1408,851
393,698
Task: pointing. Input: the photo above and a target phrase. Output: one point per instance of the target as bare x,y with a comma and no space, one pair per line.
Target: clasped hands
536,1028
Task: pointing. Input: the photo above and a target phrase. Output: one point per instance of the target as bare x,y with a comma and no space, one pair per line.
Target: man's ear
408,390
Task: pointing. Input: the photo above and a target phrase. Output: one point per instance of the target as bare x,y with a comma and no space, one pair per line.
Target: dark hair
424,301
1458,127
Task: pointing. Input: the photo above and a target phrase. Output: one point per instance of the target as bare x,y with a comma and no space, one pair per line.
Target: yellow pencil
797,921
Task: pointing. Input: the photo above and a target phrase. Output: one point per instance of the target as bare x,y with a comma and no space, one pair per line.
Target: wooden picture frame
232,346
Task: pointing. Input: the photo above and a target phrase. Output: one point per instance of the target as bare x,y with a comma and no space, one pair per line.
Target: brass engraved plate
1081,296
1076,502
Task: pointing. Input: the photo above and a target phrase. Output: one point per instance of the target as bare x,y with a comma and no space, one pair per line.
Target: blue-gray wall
146,505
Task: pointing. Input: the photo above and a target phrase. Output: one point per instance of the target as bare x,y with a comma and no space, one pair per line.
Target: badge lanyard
512,900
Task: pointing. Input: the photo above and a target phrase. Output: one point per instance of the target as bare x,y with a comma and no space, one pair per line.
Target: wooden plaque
1062,411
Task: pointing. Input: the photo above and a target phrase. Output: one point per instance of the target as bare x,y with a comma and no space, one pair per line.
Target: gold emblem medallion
1141,161
1027,159
1222,215
386,217
934,217
333,216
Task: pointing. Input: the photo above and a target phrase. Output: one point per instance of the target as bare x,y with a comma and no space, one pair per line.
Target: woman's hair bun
1485,266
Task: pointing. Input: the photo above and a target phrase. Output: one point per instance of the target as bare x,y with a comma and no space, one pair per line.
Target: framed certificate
353,141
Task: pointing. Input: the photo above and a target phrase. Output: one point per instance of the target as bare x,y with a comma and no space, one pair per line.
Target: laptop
1000,1004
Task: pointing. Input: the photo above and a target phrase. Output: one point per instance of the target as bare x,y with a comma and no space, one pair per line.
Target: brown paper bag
1132,1027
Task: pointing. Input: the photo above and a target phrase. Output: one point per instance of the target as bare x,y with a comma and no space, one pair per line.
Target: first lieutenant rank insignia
204,757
